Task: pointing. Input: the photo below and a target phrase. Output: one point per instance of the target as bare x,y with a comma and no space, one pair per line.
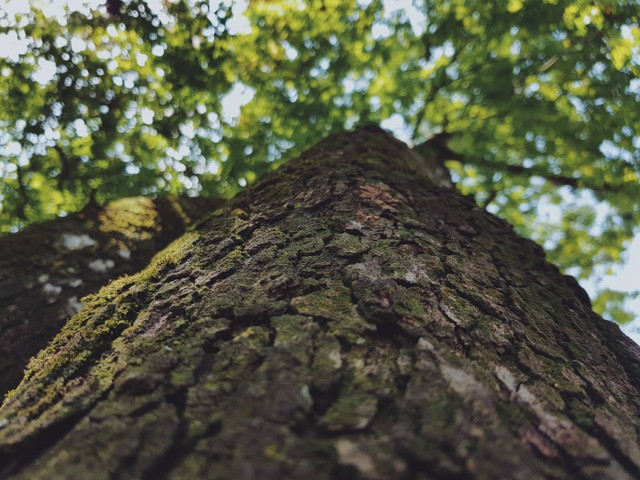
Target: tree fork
344,317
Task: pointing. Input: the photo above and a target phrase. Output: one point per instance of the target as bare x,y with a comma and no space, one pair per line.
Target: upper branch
438,146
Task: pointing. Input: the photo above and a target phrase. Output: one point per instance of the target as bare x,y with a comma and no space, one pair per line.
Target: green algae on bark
46,269
345,317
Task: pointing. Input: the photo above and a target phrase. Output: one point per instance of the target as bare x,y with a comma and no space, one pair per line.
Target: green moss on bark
47,269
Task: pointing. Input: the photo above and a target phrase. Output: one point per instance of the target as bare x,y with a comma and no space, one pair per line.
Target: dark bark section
46,269
343,318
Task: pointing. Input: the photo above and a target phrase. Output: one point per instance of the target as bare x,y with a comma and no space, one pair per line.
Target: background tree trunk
343,318
46,269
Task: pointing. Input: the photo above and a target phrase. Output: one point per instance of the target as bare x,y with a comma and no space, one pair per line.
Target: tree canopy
536,103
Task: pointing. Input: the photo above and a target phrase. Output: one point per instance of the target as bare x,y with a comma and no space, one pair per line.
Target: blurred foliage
613,304
539,99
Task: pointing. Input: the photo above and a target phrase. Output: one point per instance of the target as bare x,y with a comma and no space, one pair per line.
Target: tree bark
343,318
46,269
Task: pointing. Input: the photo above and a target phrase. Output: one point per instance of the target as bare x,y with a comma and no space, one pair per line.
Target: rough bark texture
343,318
46,269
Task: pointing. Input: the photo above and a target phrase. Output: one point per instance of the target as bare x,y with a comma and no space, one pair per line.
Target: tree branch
559,180
438,146
22,192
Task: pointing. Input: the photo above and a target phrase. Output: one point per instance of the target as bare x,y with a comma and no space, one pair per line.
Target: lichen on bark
342,318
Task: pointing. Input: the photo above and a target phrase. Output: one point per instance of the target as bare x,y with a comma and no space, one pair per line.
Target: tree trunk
343,318
46,269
